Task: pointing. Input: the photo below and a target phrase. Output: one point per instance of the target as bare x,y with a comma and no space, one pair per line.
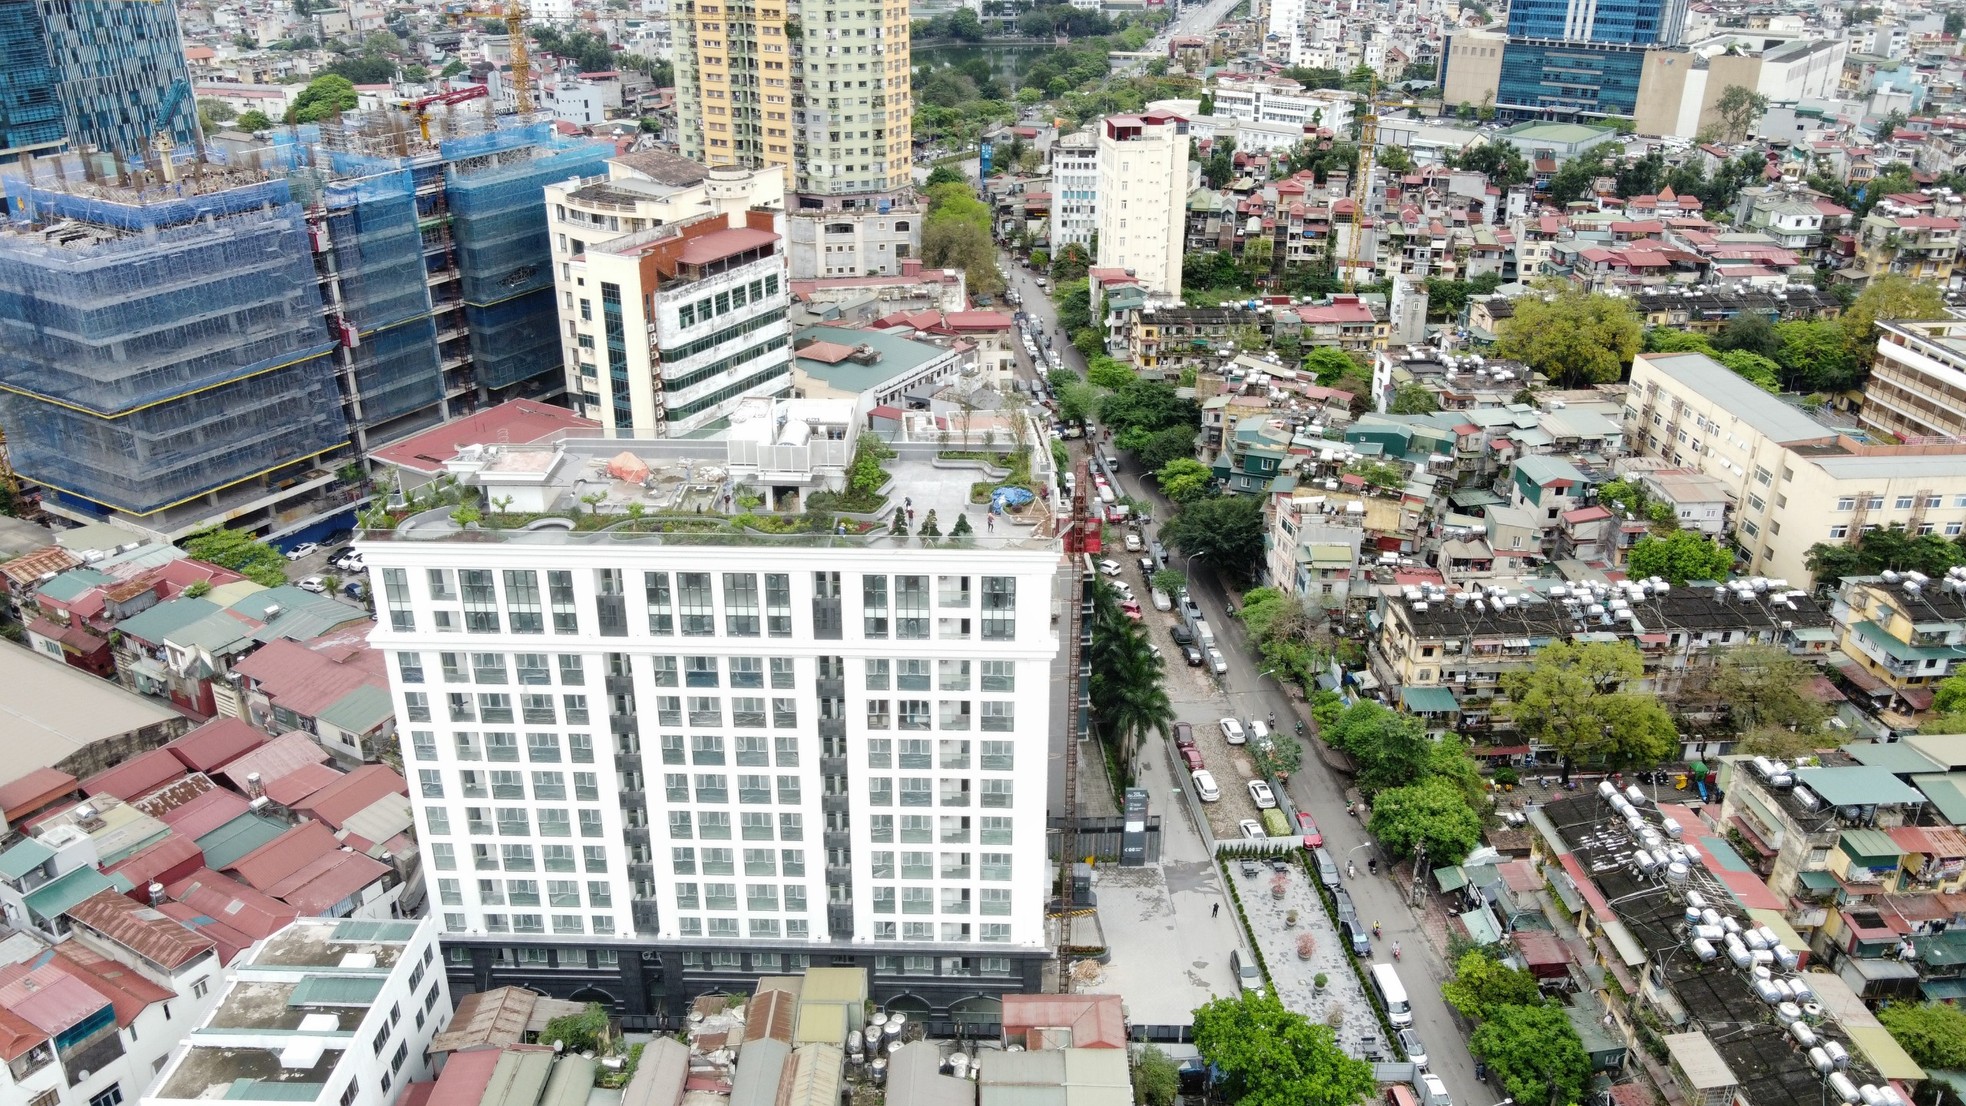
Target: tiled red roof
139,928
353,793
139,775
212,744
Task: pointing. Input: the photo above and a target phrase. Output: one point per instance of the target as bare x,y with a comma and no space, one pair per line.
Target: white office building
326,1011
710,752
1074,189
1143,194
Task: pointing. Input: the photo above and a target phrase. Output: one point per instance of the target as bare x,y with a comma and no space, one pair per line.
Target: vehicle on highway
1184,734
1313,837
304,549
1219,663
1244,967
1261,795
1191,757
1251,829
1205,787
1232,731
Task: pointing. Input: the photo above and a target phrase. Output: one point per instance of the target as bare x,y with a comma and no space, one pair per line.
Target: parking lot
315,573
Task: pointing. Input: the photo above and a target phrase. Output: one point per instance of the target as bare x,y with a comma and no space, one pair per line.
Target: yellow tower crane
515,16
1368,141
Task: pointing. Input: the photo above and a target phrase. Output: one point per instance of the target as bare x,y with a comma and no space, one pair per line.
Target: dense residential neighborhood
1260,552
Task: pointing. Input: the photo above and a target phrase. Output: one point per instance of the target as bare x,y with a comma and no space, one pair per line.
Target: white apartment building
1917,386
667,328
1279,100
1795,481
1074,189
326,1011
712,753
1143,189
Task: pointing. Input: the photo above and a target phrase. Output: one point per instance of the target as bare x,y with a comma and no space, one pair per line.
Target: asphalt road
1246,692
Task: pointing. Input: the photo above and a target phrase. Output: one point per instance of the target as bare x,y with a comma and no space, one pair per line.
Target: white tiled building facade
1143,197
732,747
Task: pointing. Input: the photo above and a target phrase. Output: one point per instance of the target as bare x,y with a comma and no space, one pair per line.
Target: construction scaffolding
172,333
158,344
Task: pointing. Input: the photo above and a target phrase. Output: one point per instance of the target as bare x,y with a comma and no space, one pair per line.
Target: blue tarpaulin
1009,496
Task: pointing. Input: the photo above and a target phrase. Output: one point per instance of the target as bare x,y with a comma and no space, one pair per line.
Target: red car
1312,837
1184,734
1191,757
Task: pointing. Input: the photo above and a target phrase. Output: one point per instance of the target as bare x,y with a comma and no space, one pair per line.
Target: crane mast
1368,142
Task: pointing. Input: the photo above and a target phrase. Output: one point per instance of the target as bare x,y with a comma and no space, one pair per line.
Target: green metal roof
1429,700
1817,879
518,1079
1897,756
72,583
24,858
1450,878
1869,844
367,929
1945,793
1903,651
361,710
1857,785
571,1082
336,990
160,621
226,844
52,899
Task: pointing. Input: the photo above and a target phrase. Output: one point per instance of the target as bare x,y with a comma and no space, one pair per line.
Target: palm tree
1129,693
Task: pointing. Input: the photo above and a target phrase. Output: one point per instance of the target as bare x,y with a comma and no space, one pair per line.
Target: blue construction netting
491,142
397,371
499,221
378,249
515,340
111,325
150,459
164,205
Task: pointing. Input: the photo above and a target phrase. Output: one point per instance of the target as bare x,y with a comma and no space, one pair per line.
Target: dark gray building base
649,985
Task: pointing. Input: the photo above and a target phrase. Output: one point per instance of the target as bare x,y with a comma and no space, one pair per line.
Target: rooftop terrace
314,943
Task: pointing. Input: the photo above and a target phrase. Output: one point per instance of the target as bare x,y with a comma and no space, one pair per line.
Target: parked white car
1232,732
1205,787
1261,795
1218,662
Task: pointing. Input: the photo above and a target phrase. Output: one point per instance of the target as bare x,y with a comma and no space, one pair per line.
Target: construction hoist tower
1368,141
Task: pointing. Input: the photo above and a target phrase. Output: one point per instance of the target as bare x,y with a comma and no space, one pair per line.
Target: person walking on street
1215,911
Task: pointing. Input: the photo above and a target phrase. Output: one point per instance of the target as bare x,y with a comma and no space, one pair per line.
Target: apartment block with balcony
1795,481
1890,240
712,753
1903,636
1917,385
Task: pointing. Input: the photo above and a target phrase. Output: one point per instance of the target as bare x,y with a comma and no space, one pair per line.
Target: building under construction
216,340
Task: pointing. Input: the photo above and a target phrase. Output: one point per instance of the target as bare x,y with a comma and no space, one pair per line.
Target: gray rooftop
1766,413
68,711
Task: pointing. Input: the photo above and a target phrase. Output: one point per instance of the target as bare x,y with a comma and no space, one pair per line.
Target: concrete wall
1662,84
1473,62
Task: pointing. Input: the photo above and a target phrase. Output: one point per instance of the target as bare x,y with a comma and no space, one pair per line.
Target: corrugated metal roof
915,1078
360,710
52,900
141,929
274,759
33,791
225,845
661,1074
761,1075
139,775
816,1072
466,1074
24,858
353,793
570,1083
518,1078
213,744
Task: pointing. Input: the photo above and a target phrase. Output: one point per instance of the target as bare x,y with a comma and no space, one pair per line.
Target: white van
1393,993
1204,634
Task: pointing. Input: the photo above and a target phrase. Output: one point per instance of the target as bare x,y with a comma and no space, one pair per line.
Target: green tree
1105,372
1815,356
1228,531
1535,1051
240,552
1886,297
1270,1056
1390,748
324,97
1664,339
1501,162
586,1031
1738,108
1145,406
1750,331
945,174
1680,556
1159,447
1573,698
1575,338
1074,302
1764,687
1934,1033
1183,480
1431,815
452,69
1950,694
1413,399
1753,368
1070,262
1889,548
1482,985
1156,1078
1329,364
254,121
1077,401
214,113
1128,691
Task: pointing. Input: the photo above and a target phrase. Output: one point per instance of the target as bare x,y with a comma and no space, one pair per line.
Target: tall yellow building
819,89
